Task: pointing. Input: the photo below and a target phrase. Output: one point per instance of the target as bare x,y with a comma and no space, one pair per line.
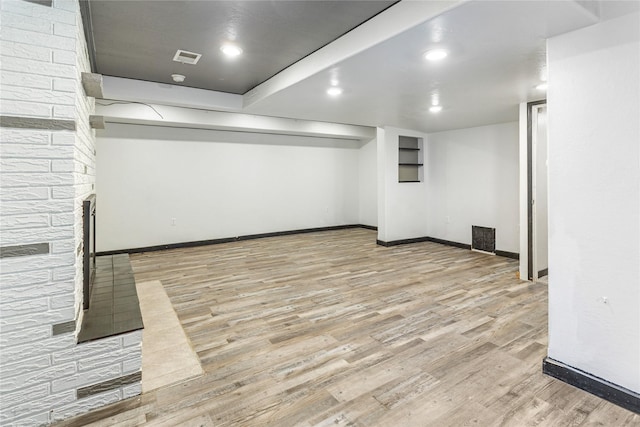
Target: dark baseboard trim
422,239
506,254
597,386
301,231
543,272
402,241
442,242
231,239
449,243
368,227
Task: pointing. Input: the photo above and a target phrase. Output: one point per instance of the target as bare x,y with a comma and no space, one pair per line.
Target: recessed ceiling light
178,78
542,86
231,50
334,91
435,55
435,108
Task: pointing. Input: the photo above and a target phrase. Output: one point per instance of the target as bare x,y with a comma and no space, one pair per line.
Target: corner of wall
594,207
402,207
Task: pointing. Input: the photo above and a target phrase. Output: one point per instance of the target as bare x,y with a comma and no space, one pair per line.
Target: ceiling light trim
231,50
334,91
436,55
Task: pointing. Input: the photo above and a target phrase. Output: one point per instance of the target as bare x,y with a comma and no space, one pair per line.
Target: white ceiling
496,58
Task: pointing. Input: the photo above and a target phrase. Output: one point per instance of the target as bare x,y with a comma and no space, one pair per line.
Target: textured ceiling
497,58
294,52
138,39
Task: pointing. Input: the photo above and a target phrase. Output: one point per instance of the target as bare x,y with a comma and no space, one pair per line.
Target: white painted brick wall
20,337
87,404
45,177
131,390
99,361
64,85
24,221
21,194
17,265
62,246
36,67
20,50
24,136
39,25
32,320
24,165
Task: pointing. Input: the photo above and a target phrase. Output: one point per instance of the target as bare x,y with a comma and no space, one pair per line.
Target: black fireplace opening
88,248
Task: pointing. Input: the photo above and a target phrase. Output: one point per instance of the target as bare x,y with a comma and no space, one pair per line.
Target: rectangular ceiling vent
187,57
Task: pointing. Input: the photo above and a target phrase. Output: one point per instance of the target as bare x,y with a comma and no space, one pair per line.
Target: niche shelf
409,159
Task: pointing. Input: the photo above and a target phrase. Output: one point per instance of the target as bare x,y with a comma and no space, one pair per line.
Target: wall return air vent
186,57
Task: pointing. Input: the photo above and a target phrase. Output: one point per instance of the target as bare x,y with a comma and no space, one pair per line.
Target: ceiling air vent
186,57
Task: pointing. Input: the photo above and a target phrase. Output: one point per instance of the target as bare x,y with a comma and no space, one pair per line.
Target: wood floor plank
329,328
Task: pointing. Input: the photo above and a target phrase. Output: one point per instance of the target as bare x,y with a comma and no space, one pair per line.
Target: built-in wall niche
409,159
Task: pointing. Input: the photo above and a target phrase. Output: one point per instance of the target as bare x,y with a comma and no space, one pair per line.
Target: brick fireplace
48,169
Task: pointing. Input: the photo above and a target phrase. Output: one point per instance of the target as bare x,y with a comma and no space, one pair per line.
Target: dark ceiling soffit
311,53
85,13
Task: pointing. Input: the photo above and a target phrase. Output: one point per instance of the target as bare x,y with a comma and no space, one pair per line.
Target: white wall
402,207
218,184
594,200
368,184
472,179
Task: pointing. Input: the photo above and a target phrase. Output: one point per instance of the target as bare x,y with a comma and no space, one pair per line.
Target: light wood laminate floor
167,355
329,329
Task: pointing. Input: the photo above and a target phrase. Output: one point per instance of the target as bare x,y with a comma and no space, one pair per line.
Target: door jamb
530,248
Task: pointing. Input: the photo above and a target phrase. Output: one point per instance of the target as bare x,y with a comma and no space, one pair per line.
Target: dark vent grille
187,57
483,238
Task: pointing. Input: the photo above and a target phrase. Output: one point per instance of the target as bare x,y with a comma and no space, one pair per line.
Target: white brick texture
24,136
24,221
23,194
11,78
44,177
84,405
8,339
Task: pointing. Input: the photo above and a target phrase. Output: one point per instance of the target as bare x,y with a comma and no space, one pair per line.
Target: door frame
530,199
